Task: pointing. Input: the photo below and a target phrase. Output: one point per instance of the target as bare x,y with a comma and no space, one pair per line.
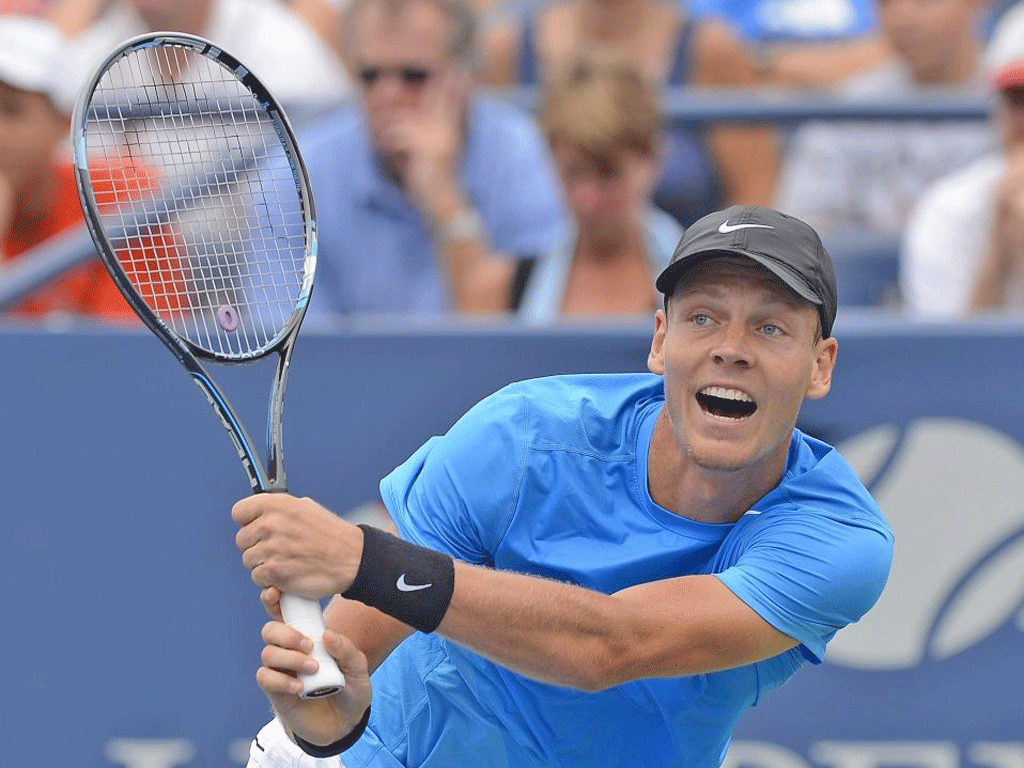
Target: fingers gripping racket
198,201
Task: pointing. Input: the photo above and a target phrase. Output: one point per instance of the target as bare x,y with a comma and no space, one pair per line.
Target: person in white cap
963,248
38,198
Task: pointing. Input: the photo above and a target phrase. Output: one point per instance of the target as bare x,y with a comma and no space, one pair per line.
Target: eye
700,320
770,329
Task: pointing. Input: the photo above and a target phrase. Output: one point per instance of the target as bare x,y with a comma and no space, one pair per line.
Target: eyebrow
776,294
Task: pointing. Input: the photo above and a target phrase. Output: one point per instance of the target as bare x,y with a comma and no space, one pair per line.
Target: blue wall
129,615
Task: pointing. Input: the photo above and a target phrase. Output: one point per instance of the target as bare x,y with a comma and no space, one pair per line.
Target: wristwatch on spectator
464,226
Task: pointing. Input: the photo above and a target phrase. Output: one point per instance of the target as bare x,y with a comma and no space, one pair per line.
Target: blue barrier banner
132,630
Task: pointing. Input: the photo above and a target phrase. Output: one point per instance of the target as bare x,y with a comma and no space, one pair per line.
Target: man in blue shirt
422,179
603,569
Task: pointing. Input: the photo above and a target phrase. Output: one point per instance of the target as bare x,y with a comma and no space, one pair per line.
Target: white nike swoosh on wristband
725,227
404,586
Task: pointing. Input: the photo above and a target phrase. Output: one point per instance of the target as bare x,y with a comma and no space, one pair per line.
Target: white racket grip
305,615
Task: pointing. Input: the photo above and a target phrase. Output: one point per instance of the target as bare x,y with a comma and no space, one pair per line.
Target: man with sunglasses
422,181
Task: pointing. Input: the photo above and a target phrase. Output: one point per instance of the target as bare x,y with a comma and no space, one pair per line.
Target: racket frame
262,480
187,353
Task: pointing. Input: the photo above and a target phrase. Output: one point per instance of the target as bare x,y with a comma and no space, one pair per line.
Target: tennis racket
198,202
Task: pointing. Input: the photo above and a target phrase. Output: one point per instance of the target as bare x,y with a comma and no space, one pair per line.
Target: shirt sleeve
457,493
809,574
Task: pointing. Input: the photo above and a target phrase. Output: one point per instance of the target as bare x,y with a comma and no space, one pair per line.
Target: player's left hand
296,545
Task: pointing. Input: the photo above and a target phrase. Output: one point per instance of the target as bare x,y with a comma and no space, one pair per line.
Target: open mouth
726,403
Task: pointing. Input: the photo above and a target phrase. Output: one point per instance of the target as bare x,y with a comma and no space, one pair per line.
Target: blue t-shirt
549,477
792,20
376,254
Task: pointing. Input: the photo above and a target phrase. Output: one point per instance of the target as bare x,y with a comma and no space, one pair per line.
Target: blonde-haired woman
604,125
704,169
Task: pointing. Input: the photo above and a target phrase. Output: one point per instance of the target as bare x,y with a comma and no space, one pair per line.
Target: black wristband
410,583
340,745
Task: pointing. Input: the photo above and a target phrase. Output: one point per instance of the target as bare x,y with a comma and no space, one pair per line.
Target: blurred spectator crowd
520,157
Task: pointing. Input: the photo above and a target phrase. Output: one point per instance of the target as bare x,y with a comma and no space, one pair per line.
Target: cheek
797,382
676,377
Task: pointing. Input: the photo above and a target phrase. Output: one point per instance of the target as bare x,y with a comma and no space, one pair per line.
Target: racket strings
198,199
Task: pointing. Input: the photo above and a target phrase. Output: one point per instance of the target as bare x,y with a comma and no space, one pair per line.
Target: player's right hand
320,721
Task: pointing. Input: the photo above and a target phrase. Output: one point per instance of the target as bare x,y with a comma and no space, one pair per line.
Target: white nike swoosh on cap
404,586
725,227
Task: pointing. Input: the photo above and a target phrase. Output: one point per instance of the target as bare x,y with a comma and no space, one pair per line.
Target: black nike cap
786,246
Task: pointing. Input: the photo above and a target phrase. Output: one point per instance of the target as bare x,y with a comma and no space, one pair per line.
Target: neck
608,245
679,485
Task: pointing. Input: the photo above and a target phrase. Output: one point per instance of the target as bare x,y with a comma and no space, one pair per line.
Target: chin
714,459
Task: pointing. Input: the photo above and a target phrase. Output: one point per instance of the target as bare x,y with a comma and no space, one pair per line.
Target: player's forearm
547,630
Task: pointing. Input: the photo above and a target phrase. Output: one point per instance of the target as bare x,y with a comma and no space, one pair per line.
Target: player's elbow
613,660
589,666
642,655
592,677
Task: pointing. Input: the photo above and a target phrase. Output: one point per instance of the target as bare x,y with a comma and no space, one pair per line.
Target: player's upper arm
809,575
797,582
691,625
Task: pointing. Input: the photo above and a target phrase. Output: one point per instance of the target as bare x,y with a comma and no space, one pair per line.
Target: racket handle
305,615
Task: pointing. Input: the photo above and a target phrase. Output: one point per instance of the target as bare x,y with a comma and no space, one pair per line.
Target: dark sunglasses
410,74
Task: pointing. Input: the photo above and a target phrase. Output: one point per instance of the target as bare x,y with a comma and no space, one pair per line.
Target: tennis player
593,570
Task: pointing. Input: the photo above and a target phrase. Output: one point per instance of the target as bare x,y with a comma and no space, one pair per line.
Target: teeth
727,394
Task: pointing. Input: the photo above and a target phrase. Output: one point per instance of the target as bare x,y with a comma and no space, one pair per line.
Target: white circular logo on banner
954,495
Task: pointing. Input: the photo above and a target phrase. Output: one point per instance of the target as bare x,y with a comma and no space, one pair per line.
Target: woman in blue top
604,569
703,170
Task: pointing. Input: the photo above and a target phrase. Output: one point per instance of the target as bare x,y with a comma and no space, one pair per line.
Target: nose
386,91
732,347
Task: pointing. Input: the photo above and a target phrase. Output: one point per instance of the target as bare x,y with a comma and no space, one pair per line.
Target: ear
656,358
824,364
